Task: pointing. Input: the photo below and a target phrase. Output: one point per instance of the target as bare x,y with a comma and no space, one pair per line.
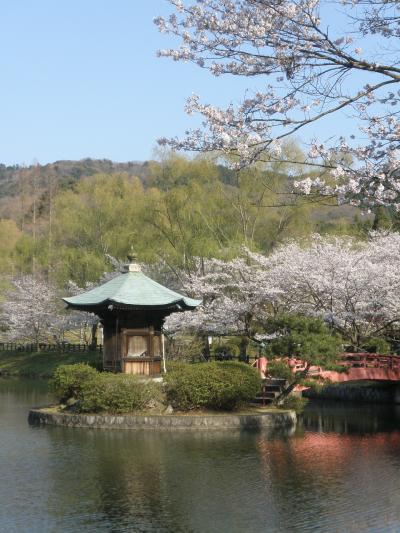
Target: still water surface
338,472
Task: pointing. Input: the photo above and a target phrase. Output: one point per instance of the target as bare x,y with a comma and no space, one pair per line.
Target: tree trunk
93,343
206,349
285,393
244,343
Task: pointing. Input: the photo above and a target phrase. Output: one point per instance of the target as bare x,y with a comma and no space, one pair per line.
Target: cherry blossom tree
235,295
30,309
354,286
314,59
33,312
81,321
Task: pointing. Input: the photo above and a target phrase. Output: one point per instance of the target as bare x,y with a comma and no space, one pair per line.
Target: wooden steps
270,389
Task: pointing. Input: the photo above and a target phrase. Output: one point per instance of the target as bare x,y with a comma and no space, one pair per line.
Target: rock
72,405
71,402
169,410
155,405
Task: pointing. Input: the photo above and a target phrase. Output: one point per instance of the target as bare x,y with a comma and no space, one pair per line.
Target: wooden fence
221,357
43,347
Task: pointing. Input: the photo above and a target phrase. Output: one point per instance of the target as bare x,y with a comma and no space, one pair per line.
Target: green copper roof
131,289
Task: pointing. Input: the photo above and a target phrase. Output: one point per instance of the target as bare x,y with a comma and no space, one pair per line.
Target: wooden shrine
132,308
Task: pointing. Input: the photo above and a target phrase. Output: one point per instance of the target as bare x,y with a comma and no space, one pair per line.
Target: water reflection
347,418
338,472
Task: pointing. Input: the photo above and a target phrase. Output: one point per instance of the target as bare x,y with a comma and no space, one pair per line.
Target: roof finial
133,266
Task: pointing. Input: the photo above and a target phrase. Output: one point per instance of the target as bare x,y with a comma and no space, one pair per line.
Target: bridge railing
351,360
370,360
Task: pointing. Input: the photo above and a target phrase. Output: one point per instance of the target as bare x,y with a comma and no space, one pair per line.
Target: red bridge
359,366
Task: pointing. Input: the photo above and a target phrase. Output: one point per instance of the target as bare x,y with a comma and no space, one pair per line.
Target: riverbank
42,364
248,420
363,391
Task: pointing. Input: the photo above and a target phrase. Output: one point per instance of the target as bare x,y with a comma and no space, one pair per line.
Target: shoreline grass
41,365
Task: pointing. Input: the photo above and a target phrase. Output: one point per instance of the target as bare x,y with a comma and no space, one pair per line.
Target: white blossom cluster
33,311
30,309
233,293
311,69
354,286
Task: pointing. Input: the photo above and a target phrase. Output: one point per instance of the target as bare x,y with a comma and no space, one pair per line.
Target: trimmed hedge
96,392
219,385
118,393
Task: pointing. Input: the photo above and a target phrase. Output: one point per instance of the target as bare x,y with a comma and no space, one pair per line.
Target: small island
216,395
246,420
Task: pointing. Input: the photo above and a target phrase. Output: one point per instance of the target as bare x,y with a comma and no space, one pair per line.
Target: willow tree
99,216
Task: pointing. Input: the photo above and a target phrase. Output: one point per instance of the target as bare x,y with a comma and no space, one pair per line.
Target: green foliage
297,403
173,366
314,384
221,386
118,393
9,237
376,345
103,392
69,380
306,338
229,347
177,208
99,216
279,369
383,219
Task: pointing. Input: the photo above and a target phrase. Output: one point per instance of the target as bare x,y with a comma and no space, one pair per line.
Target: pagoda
132,308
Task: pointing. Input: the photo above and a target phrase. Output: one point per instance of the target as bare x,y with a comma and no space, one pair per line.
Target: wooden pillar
163,353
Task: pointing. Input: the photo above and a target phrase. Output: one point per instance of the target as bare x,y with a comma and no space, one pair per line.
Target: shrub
118,393
173,366
229,348
221,385
279,369
68,380
102,391
297,403
376,345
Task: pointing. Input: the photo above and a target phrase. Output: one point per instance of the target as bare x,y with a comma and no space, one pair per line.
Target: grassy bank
42,365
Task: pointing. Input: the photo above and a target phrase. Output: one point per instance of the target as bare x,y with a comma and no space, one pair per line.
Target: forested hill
64,219
64,173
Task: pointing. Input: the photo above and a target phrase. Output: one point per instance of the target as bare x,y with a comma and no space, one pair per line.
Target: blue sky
80,78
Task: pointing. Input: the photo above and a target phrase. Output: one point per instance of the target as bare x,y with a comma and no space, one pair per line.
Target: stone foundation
251,422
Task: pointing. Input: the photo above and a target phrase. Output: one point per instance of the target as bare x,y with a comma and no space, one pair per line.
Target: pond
339,471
